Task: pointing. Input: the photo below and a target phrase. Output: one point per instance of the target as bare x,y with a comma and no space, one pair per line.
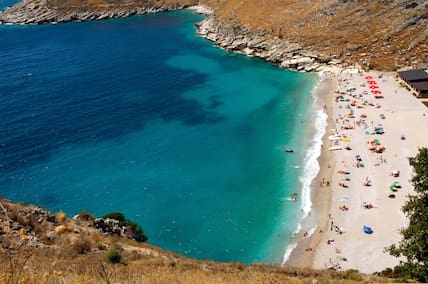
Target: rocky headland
303,35
284,53
58,11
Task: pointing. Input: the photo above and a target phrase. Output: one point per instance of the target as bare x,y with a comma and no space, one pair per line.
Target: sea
141,116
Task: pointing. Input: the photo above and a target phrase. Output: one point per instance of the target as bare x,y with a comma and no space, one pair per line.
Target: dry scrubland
381,35
37,246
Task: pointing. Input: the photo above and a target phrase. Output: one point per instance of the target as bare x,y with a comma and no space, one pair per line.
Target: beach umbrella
366,132
376,141
368,77
346,139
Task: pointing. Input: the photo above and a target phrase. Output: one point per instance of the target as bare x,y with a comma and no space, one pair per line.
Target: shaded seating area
417,80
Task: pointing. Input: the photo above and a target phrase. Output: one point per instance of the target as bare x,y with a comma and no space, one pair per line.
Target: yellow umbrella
346,139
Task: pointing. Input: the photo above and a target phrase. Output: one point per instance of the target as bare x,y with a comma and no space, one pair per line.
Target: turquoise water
141,116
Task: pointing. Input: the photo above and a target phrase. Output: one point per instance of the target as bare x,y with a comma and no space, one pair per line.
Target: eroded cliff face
378,34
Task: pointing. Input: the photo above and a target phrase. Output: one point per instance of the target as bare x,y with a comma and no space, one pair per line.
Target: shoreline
308,236
308,248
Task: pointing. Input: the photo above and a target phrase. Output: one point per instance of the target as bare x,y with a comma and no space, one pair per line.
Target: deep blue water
6,3
139,115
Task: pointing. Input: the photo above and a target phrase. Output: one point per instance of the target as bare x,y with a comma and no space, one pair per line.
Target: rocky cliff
374,34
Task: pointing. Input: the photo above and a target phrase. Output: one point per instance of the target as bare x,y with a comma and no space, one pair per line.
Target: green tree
414,245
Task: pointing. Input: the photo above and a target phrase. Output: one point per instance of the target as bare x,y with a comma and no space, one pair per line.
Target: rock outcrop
282,52
39,227
57,11
110,227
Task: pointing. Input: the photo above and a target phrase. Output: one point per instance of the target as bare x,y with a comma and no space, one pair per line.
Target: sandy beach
356,186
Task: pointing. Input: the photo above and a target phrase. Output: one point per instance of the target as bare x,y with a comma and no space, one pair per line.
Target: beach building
416,80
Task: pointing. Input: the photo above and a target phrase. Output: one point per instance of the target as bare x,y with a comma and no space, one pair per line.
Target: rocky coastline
284,53
44,11
300,42
227,35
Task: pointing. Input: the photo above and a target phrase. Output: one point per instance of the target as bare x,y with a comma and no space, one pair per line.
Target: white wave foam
311,165
311,231
288,252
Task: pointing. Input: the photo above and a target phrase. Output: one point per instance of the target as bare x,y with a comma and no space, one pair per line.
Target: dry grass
80,256
366,32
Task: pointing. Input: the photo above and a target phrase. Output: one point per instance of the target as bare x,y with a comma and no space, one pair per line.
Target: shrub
81,246
60,217
61,229
353,274
86,216
136,231
113,255
116,216
387,272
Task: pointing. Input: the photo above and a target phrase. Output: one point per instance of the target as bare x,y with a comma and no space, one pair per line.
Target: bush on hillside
136,231
113,255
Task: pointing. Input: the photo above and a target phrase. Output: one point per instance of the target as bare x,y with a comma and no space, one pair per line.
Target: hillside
380,34
37,246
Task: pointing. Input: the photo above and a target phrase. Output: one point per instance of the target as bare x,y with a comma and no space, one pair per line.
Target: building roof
414,75
420,86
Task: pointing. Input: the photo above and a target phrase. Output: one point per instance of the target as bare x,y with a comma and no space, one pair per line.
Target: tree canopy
414,245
